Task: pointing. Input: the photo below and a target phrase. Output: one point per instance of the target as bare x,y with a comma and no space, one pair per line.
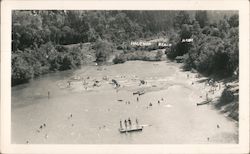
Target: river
77,112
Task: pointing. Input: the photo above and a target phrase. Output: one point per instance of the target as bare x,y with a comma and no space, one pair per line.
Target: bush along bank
229,100
32,63
213,50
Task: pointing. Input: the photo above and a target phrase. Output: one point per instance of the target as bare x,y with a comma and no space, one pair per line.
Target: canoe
139,92
132,129
204,102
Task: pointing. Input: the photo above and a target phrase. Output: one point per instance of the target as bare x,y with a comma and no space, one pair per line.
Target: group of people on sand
128,123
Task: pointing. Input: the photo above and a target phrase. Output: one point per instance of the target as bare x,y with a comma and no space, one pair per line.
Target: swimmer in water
48,94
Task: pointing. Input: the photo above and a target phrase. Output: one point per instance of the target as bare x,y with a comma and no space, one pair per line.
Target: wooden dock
132,129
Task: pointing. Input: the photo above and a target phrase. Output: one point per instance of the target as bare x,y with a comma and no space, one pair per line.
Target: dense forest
41,39
214,46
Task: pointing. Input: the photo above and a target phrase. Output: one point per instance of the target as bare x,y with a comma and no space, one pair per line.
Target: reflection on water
74,114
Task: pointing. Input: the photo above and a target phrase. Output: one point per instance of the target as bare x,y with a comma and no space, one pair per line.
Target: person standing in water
129,122
125,123
69,82
48,94
120,124
137,123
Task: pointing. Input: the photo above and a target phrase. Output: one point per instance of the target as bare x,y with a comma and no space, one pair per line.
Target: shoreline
102,100
194,77
213,90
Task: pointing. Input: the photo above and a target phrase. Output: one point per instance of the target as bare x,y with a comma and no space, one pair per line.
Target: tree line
40,38
215,46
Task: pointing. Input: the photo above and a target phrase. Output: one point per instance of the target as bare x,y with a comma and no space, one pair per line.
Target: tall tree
181,18
201,17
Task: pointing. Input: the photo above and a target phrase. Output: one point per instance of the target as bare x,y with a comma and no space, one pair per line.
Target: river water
77,112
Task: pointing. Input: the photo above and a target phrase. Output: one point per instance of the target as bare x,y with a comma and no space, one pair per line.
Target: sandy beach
85,107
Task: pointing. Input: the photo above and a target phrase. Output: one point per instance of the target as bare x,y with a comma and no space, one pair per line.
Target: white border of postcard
8,5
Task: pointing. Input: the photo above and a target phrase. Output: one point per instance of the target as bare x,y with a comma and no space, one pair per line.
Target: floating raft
132,129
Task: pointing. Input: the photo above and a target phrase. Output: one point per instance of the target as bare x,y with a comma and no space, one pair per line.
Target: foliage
214,49
201,17
158,55
40,39
181,18
21,70
119,59
234,20
103,50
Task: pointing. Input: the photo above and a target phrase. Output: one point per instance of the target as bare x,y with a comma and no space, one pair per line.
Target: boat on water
204,102
139,92
132,129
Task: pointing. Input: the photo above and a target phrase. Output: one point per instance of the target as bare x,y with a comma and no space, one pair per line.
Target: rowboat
204,102
139,92
132,129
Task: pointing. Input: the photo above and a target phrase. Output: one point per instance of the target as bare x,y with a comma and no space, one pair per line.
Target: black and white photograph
125,77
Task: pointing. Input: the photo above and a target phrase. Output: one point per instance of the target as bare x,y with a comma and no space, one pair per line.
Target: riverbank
85,107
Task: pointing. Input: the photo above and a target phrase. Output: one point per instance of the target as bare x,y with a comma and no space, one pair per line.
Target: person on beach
150,104
68,83
159,102
137,99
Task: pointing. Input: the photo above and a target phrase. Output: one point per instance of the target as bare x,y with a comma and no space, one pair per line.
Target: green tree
201,17
181,18
234,21
103,50
158,55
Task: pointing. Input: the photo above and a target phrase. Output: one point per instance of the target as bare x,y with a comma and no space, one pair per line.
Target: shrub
21,70
119,59
103,50
158,55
